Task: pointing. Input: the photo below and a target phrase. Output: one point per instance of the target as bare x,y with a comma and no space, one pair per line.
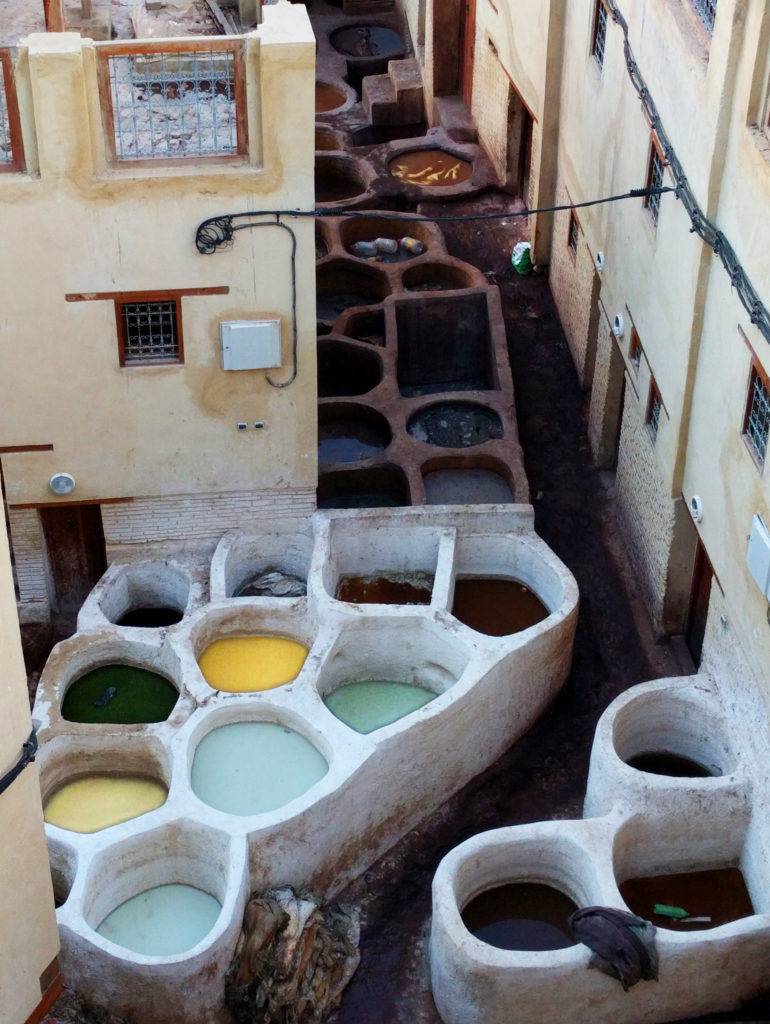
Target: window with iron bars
654,407
599,37
574,233
10,126
635,350
654,180
706,11
185,103
149,332
756,425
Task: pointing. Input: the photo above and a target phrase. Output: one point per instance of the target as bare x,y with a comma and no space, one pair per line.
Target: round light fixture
62,483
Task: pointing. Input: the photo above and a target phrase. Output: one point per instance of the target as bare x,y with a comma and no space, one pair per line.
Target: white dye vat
252,767
164,921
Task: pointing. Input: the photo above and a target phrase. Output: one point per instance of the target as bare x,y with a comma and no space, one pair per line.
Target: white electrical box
758,554
250,344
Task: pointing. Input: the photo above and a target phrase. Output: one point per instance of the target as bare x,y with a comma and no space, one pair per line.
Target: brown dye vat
412,588
496,607
433,168
661,762
153,618
327,98
525,915
720,894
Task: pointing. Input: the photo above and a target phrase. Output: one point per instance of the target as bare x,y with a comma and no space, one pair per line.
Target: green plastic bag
521,259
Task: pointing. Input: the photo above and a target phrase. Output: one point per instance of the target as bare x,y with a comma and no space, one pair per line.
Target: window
635,350
10,125
654,180
654,407
756,424
574,233
599,37
706,11
173,104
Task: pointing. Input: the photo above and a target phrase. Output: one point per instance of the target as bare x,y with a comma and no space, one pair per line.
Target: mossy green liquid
140,696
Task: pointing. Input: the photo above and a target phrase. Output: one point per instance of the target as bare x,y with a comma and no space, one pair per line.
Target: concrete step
378,97
407,81
455,118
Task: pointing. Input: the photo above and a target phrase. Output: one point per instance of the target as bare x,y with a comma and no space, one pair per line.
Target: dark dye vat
466,487
372,487
444,344
521,916
366,41
412,588
720,894
351,437
431,168
368,327
496,607
140,696
153,618
661,762
346,449
321,247
327,98
455,425
329,305
376,135
344,370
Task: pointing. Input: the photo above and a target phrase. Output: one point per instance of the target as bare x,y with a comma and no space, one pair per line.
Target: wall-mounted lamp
62,483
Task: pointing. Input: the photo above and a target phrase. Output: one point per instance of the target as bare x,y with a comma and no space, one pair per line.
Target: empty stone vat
350,433
325,138
455,425
377,487
452,484
436,277
346,369
148,594
342,284
367,326
430,168
338,178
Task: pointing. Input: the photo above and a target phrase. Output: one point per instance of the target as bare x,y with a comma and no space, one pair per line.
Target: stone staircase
397,97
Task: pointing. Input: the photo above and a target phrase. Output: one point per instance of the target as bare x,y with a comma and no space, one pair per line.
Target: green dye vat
140,696
373,703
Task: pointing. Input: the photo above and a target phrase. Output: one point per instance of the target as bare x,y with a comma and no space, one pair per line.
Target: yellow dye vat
244,664
98,801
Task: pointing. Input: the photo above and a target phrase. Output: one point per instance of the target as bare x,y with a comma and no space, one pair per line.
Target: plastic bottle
411,245
364,249
386,245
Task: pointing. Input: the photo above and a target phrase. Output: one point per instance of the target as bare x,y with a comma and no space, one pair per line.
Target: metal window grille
573,232
636,353
654,417
706,11
174,104
6,146
149,331
758,419
655,180
600,33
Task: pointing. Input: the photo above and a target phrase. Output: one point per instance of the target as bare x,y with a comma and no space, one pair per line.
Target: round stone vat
148,594
455,425
246,664
370,704
252,767
325,139
97,801
345,369
521,915
321,245
430,168
266,565
367,41
119,694
436,277
365,229
342,284
367,326
328,97
496,606
338,178
473,481
350,433
380,487
165,920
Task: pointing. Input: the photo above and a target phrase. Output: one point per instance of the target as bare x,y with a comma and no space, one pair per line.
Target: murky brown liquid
660,762
496,607
327,98
414,589
152,617
720,894
521,916
431,167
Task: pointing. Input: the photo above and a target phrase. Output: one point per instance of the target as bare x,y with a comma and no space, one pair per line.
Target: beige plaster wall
82,226
28,935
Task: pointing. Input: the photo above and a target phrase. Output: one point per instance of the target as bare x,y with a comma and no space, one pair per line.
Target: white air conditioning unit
758,554
250,344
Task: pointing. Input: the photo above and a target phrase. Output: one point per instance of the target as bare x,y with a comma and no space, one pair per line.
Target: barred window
654,180
654,407
635,350
149,332
757,419
574,233
599,38
706,11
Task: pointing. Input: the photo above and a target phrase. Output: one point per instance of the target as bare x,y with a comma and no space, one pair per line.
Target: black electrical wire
28,751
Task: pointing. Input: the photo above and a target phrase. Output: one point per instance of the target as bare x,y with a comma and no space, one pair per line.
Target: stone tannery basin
359,655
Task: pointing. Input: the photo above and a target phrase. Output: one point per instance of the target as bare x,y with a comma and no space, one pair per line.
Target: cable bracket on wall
28,751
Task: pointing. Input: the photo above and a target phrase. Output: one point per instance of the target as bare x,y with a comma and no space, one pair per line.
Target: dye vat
431,168
273,583
251,767
525,915
345,370
95,802
497,607
368,327
164,921
661,762
720,895
373,703
150,618
337,178
394,588
366,41
327,98
246,664
435,277
372,487
455,425
466,486
119,695
348,434
340,286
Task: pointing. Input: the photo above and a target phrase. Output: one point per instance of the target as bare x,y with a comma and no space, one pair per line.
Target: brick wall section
647,512
575,288
181,517
29,555
490,104
606,395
